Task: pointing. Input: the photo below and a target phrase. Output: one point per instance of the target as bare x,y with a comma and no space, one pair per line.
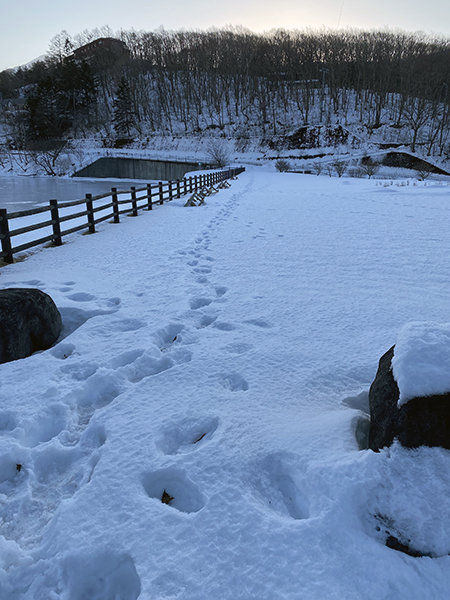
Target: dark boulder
29,321
420,422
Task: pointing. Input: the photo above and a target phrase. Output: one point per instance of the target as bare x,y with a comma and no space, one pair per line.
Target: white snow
421,361
222,354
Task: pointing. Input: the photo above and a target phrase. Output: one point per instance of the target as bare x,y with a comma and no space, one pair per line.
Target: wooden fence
139,199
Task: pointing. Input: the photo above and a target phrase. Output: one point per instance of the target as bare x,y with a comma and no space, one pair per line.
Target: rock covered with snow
410,396
29,321
421,361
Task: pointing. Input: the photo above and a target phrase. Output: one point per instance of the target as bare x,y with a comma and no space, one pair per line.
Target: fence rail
139,199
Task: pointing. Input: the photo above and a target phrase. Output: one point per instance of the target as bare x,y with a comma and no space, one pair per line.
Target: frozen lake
23,193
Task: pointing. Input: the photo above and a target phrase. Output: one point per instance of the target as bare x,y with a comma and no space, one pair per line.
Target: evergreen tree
61,100
123,118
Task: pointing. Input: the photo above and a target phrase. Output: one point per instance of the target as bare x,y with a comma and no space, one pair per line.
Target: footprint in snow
99,575
187,435
48,423
275,483
173,488
81,297
259,323
125,358
126,324
221,291
34,282
206,321
233,382
59,468
224,326
150,364
79,370
113,301
100,389
199,302
168,335
8,421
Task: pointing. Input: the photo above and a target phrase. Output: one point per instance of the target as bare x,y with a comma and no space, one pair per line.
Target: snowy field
220,357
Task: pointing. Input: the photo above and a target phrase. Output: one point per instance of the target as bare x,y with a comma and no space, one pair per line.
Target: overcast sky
27,26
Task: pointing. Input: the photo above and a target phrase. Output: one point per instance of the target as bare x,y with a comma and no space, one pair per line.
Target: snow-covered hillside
222,363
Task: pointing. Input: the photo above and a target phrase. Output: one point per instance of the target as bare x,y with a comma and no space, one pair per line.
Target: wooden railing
93,211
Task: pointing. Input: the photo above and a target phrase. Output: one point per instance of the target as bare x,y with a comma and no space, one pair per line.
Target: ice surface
236,385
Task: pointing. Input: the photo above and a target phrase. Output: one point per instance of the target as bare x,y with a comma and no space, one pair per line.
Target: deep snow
223,354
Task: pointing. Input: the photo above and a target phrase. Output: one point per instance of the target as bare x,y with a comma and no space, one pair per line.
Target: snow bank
421,362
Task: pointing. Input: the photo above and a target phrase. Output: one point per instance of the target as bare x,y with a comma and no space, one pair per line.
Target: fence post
6,238
178,188
185,185
170,190
134,212
90,213
161,193
149,196
190,185
115,204
54,212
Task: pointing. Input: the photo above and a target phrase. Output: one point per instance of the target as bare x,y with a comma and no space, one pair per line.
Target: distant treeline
172,81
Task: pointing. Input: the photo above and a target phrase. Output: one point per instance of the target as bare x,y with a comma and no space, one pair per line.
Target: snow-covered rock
29,321
409,398
421,361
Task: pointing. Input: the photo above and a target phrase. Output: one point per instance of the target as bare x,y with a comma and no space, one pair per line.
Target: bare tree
318,167
282,165
61,46
218,152
423,171
369,166
50,160
340,166
417,113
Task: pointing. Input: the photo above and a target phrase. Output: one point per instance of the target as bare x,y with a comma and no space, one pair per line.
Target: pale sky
27,26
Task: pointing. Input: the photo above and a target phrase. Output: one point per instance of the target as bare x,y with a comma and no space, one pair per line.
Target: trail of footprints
274,483
49,458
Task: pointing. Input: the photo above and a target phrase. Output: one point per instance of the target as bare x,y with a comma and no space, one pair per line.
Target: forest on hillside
230,81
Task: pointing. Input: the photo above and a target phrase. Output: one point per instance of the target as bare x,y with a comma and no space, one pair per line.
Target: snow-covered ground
223,354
